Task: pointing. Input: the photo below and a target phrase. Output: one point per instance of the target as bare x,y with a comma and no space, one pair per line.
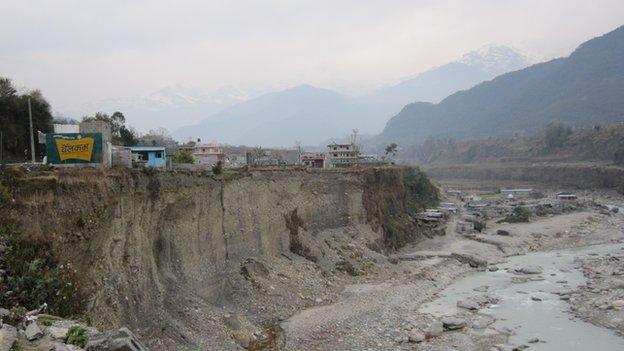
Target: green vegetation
556,135
121,134
421,193
35,276
16,346
77,336
14,121
218,168
591,91
518,215
183,156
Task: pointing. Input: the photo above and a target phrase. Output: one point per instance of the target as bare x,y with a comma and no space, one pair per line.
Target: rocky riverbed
389,315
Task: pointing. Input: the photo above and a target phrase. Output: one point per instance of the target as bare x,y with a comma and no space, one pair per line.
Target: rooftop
146,148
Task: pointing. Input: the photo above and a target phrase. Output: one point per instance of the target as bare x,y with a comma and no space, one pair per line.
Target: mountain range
311,115
438,83
583,89
169,107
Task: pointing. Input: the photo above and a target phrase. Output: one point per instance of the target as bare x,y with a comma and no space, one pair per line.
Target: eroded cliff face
167,253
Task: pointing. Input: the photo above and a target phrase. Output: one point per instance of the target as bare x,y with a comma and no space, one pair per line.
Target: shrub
77,336
35,276
218,168
518,215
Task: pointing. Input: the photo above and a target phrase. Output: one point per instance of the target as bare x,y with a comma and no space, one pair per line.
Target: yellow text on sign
79,149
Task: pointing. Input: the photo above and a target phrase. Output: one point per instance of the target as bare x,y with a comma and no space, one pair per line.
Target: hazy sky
79,51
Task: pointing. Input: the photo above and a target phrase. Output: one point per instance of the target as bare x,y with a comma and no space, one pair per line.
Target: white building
342,155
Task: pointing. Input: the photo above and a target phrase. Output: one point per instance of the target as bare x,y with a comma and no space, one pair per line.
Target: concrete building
516,192
151,156
208,154
343,155
235,161
313,160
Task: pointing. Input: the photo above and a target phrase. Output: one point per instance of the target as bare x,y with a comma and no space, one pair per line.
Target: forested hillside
583,89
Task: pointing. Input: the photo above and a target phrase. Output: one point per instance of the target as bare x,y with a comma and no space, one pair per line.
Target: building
516,192
313,160
566,197
151,156
208,154
342,155
235,161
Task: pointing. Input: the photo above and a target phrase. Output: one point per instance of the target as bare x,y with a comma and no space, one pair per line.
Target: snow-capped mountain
170,107
496,59
437,83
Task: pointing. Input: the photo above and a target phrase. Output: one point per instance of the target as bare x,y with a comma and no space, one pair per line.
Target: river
520,310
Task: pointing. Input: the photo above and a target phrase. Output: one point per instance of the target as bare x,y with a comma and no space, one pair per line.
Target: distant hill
438,83
585,88
303,113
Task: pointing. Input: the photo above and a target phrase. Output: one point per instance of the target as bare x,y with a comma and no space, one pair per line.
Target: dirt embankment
581,176
187,259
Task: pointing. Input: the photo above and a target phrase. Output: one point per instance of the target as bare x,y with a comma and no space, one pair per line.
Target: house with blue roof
150,156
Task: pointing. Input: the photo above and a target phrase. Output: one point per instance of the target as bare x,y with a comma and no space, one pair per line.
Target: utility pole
32,137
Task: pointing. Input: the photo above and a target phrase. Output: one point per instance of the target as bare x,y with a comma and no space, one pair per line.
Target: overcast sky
80,51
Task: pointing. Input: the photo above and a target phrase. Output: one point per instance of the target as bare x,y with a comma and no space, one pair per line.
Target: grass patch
77,336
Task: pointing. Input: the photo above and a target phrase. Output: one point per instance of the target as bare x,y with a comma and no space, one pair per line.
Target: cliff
175,255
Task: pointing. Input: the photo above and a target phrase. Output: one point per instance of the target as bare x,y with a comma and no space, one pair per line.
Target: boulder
33,332
468,304
618,304
115,340
436,328
453,323
59,346
4,313
56,333
503,232
528,270
252,268
416,336
8,335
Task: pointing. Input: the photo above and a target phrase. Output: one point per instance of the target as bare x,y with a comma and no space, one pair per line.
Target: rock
482,321
56,333
416,336
435,329
533,341
33,332
59,346
453,323
252,268
493,269
482,288
615,209
115,340
468,304
528,270
8,336
472,260
618,304
4,313
535,298
502,232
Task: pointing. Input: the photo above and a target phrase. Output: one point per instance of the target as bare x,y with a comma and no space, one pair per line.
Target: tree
218,168
391,149
556,135
14,121
121,134
183,156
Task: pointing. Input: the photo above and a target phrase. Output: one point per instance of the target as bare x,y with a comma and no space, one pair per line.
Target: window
158,154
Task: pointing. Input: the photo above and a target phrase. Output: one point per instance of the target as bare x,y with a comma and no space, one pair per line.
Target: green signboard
68,148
